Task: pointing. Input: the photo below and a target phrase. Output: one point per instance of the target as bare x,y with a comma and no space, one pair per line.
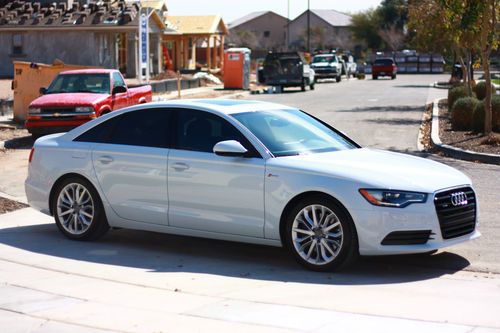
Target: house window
17,44
267,33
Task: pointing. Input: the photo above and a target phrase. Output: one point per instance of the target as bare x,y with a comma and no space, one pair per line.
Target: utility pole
288,27
308,26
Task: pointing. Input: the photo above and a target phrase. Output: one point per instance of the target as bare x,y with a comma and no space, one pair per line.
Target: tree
463,26
244,38
392,37
389,20
488,18
364,27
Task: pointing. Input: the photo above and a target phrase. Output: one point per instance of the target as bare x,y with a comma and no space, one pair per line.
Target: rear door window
147,128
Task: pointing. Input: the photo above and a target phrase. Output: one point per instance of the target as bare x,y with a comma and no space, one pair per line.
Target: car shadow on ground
388,108
162,253
426,86
24,142
395,121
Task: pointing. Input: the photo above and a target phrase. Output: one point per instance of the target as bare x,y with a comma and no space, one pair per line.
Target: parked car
77,96
252,172
287,69
327,66
384,67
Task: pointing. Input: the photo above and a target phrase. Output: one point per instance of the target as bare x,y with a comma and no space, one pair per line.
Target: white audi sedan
251,172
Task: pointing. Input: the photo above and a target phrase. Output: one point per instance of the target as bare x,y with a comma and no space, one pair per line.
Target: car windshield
292,132
384,62
74,83
324,59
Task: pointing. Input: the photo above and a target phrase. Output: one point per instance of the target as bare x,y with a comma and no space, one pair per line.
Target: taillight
31,154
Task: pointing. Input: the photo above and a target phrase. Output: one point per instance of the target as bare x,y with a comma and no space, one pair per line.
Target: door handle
180,166
105,159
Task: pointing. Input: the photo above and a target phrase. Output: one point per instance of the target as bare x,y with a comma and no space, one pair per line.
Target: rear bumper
37,197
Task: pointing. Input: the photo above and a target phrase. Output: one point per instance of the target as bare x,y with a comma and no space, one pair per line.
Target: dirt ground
464,139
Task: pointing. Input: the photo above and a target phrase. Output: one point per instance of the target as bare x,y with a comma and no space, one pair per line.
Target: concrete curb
10,197
437,86
457,153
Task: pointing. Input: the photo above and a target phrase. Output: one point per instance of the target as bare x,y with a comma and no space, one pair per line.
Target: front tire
338,78
78,210
320,234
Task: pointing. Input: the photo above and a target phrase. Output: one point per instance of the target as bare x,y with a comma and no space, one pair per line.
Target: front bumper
373,225
325,72
49,125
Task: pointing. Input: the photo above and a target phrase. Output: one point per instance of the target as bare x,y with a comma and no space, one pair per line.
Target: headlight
84,109
392,198
34,110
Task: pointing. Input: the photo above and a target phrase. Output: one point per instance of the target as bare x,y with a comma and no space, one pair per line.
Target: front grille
58,110
407,237
456,220
325,70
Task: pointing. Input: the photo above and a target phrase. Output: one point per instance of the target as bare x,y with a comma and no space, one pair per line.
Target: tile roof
210,24
333,17
29,15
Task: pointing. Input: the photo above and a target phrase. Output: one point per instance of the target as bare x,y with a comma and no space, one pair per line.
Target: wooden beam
185,57
209,61
193,53
221,49
214,52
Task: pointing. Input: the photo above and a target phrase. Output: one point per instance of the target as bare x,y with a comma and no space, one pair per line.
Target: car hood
68,99
378,169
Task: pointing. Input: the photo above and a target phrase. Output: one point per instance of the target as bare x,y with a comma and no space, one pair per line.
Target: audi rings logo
458,199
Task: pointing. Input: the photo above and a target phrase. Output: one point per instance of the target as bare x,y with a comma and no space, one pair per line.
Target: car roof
224,106
89,71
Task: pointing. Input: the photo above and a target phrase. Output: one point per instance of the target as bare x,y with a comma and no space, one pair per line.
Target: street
146,282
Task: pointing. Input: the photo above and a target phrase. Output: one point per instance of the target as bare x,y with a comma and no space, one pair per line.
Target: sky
234,9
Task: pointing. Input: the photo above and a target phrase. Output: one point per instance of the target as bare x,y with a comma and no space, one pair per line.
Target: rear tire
374,77
393,77
303,85
78,210
320,234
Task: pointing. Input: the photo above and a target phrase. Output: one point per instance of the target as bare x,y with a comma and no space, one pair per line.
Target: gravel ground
464,139
7,205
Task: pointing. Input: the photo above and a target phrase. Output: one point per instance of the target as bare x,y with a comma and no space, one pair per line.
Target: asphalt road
132,281
387,114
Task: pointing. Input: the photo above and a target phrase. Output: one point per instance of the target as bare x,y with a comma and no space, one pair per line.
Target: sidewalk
144,282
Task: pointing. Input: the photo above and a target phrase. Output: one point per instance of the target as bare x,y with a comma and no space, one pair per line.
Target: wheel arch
295,200
60,180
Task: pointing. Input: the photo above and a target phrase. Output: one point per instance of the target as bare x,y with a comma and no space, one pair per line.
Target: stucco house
261,31
328,29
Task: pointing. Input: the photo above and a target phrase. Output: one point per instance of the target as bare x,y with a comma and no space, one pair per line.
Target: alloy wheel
317,234
75,208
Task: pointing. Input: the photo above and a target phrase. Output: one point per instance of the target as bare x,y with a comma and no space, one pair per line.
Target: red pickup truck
384,67
75,97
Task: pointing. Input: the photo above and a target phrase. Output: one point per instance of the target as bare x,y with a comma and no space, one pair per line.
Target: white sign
143,46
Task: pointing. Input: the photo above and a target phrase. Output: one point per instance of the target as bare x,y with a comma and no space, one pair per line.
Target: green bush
461,113
454,94
478,115
481,90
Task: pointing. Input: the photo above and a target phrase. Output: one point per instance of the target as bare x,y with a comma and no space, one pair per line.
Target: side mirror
229,148
43,91
119,90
